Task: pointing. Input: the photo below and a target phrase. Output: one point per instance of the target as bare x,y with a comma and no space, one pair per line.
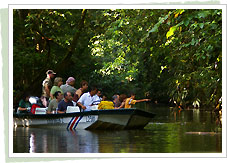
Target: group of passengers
59,96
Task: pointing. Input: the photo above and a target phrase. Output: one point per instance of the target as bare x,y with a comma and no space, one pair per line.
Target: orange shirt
129,102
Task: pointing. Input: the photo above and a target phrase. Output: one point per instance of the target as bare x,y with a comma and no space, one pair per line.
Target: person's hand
148,99
84,107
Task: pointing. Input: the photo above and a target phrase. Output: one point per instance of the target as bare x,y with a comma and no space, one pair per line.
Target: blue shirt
62,105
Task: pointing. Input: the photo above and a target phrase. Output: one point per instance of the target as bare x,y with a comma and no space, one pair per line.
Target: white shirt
96,99
86,99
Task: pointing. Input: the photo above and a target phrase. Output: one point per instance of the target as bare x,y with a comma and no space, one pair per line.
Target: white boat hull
108,119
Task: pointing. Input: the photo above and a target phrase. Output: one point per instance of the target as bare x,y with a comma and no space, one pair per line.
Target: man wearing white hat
69,86
46,87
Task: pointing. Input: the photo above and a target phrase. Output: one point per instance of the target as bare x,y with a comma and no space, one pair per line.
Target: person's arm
49,108
80,101
79,92
122,105
22,109
46,88
61,112
22,106
142,100
81,105
51,96
52,91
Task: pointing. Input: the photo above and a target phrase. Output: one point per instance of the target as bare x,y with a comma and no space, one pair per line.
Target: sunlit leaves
178,12
156,26
147,49
171,31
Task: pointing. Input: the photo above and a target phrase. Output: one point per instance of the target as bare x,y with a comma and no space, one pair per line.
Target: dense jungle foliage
170,56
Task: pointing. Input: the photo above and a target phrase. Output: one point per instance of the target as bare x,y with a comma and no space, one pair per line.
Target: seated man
86,99
54,103
63,104
24,104
131,100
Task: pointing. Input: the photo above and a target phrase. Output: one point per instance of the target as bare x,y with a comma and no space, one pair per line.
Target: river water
171,131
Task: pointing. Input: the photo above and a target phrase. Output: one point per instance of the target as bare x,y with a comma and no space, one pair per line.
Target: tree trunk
64,64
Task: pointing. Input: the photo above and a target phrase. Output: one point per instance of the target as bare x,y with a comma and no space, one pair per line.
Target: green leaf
171,31
154,29
203,14
161,20
193,42
186,22
201,25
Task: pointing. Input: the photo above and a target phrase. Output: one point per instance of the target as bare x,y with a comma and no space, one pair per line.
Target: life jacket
106,105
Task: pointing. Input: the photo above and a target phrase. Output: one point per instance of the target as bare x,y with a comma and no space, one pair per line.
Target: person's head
50,73
115,98
93,91
58,81
99,93
133,95
122,97
84,85
70,81
26,96
58,95
104,97
68,96
116,94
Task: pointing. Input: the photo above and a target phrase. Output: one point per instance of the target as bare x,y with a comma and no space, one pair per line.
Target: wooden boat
95,119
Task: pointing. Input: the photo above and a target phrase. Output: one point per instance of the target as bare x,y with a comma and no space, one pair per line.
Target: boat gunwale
131,111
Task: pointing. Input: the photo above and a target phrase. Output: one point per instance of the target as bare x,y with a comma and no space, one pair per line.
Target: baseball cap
50,72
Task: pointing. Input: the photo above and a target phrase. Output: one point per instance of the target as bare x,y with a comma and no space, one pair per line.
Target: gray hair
114,97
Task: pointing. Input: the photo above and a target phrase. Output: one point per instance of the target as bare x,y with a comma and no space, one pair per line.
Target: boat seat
72,109
40,110
94,107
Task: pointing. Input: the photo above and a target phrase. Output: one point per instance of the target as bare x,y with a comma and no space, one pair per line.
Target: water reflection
37,140
171,131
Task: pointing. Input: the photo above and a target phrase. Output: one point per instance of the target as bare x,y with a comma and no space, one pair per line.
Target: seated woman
24,104
57,83
122,99
80,91
116,101
105,103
